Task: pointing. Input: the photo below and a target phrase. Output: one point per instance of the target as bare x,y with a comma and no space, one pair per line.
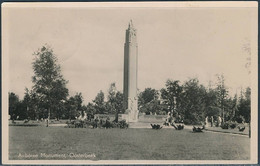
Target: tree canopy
49,84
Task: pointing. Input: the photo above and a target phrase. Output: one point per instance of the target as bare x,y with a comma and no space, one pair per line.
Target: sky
173,43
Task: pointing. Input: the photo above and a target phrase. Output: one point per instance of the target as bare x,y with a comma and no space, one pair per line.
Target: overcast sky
173,43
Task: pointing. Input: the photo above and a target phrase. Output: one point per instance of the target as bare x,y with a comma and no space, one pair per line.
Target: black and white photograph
129,82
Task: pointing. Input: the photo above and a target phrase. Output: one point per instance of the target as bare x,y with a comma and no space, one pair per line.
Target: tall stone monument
130,74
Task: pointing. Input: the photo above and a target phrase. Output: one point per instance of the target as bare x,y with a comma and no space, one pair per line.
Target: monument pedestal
131,116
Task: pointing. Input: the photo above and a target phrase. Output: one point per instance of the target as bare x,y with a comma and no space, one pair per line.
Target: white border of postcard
254,78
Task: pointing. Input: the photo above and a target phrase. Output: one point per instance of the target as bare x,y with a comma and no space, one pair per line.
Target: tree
115,101
99,103
49,84
211,103
172,95
222,94
13,105
118,104
148,101
245,105
193,101
72,106
78,102
147,96
34,106
111,102
231,108
91,111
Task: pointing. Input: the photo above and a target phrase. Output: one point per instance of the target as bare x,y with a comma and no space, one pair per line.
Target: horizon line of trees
191,101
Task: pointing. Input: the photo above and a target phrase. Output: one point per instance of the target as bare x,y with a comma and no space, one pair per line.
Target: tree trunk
223,115
49,114
116,117
249,125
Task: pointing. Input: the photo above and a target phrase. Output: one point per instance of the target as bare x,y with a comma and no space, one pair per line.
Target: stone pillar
130,74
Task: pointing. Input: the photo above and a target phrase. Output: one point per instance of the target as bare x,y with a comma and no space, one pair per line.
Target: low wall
105,116
152,118
141,117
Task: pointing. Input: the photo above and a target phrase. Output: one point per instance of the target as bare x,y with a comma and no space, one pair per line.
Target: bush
97,124
191,122
108,124
178,126
156,126
123,124
187,122
224,126
75,124
240,119
241,128
198,129
232,125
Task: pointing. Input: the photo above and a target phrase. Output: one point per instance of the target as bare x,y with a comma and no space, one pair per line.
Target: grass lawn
124,144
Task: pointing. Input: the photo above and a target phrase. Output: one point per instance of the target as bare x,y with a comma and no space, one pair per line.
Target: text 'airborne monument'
130,74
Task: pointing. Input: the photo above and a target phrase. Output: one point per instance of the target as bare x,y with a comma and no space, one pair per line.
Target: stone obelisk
130,74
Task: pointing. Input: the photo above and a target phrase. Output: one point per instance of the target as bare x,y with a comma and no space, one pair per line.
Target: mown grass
126,144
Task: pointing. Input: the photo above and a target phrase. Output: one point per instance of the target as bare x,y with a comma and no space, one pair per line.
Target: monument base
129,119
144,121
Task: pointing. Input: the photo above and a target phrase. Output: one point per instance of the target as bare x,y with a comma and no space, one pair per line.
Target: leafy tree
231,108
193,102
213,111
172,93
78,102
111,103
211,103
115,101
222,94
91,111
118,104
147,96
49,84
13,105
84,110
99,103
34,106
72,106
22,111
245,105
148,101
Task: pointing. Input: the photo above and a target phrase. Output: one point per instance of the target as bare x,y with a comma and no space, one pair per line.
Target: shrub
123,124
198,129
241,128
224,126
191,122
232,125
156,126
97,124
108,124
187,121
180,127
